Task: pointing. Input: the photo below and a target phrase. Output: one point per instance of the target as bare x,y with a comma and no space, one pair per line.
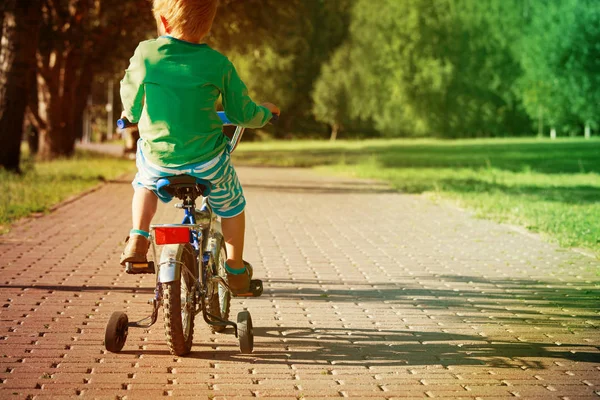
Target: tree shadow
525,300
336,347
342,346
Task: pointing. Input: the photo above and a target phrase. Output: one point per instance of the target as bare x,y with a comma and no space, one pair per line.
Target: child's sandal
239,283
136,250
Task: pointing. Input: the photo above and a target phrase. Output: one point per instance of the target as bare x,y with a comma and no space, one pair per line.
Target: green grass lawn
551,187
43,185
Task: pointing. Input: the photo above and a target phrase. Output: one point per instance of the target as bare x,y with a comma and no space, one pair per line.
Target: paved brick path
367,294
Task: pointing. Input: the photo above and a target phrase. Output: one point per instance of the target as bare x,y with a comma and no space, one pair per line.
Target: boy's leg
227,200
238,272
233,231
143,208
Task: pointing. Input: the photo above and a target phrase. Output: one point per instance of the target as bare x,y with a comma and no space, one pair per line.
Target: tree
20,30
243,26
80,38
331,94
282,60
436,67
561,60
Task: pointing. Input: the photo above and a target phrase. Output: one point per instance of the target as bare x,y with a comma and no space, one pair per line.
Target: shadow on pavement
406,347
545,305
335,347
481,293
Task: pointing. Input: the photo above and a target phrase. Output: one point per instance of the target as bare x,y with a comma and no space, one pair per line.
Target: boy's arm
239,107
132,88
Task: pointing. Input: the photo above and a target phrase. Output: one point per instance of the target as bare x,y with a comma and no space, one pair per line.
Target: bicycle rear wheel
219,300
179,300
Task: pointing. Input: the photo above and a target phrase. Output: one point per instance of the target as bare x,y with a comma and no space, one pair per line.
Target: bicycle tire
179,303
115,334
219,301
245,332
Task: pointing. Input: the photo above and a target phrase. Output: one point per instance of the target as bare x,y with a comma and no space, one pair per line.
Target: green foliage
432,68
561,62
286,64
242,26
547,186
332,90
465,68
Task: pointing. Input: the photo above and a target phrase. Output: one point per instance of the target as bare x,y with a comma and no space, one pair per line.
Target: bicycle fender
170,269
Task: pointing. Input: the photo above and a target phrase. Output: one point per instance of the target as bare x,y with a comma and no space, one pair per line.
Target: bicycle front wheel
179,300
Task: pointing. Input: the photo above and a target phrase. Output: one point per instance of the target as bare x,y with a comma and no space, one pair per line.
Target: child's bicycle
190,274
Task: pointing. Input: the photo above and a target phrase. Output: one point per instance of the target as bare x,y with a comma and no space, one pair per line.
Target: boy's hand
272,107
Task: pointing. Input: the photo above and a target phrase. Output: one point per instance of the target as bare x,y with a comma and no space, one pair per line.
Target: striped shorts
226,197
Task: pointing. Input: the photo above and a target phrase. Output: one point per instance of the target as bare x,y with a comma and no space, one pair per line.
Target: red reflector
172,235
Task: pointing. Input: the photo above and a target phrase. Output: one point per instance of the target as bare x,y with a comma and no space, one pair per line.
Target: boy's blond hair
189,18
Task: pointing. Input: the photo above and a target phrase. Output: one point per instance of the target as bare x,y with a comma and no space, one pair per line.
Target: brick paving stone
367,294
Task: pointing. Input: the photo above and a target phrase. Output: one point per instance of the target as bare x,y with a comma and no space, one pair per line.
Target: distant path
368,294
114,149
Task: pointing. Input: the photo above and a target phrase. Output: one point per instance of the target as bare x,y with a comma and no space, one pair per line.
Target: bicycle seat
183,186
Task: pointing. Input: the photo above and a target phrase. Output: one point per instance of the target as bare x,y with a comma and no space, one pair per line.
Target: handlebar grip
224,118
123,123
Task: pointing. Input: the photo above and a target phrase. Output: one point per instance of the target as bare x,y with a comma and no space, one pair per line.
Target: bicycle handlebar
226,120
123,123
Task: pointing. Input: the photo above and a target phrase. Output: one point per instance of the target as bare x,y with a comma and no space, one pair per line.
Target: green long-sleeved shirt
170,90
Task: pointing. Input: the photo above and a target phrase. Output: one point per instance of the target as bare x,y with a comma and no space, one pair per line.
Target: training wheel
245,333
116,332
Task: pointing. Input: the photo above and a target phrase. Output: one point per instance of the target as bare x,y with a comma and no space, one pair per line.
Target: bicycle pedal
140,268
256,289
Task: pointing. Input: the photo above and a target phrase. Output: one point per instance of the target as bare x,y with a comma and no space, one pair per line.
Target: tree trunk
20,32
587,131
62,95
33,132
334,132
3,9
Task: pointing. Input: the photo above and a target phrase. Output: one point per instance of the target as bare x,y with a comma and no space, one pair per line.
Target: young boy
170,90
